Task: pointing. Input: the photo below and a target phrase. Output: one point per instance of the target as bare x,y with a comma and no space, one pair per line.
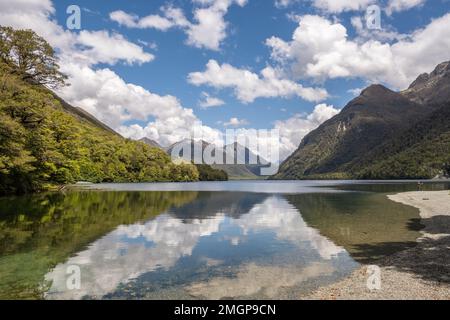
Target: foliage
41,145
39,231
207,173
377,136
422,152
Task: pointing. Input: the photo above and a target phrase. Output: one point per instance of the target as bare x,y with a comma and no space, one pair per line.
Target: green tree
208,173
43,144
32,57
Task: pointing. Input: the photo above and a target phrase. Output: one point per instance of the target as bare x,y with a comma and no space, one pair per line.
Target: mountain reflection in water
198,244
133,250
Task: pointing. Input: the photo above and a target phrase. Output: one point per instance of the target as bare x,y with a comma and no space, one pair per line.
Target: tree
31,57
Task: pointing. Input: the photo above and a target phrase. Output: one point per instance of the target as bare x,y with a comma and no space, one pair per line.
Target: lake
209,240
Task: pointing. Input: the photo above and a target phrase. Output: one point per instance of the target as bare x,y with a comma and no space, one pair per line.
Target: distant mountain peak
441,69
431,88
150,142
246,169
375,90
377,98
423,78
337,147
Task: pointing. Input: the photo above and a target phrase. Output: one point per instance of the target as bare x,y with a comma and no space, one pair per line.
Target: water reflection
158,245
357,221
169,245
39,231
128,252
276,215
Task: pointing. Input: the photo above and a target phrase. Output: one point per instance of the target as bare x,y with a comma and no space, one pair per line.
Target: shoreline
418,273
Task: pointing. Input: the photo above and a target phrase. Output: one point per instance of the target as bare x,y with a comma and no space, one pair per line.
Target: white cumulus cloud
87,47
236,122
338,6
208,101
208,29
402,5
249,86
101,91
321,49
294,129
330,6
133,21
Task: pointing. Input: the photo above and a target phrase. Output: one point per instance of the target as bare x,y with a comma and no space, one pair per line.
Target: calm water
253,240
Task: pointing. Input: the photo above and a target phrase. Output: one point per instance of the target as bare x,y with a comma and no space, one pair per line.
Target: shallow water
251,239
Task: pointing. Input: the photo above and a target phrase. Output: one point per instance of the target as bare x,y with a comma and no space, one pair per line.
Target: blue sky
249,27
361,57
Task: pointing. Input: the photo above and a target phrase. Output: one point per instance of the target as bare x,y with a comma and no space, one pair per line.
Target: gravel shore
422,272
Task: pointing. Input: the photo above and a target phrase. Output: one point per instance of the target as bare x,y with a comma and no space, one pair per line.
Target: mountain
248,168
151,143
364,123
433,88
373,136
83,115
45,142
422,151
185,144
206,172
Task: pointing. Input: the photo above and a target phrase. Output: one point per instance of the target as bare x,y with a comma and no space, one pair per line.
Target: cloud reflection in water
158,245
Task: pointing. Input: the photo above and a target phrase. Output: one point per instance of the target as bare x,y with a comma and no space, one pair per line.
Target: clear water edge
250,239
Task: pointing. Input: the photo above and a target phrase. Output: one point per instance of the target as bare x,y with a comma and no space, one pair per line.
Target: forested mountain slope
45,142
381,134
